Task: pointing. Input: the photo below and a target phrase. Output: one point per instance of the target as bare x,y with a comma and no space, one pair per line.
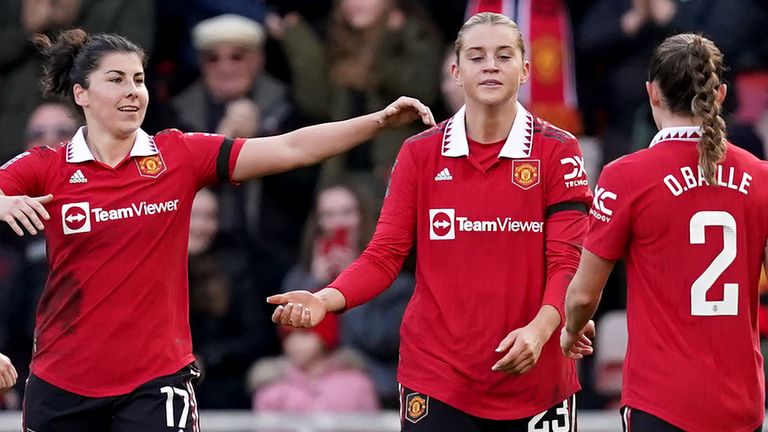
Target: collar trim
78,151
678,133
517,146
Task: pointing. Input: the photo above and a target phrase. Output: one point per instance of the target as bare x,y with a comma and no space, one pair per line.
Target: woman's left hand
403,111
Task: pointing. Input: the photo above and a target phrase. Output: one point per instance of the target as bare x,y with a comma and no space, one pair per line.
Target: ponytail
688,69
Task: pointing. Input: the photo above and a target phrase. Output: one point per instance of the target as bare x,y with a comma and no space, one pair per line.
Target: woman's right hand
8,375
297,309
21,210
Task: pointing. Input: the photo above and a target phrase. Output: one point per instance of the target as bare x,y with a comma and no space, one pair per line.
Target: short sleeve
22,174
213,156
567,178
611,215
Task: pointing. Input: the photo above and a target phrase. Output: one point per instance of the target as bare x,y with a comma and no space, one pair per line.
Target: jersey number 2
729,305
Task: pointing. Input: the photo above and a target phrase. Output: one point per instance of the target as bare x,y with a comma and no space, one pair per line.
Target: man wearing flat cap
235,97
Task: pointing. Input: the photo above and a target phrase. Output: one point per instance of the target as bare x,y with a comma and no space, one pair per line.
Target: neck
668,119
490,124
106,147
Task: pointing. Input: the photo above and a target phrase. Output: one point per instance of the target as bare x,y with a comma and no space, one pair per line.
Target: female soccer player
690,216
496,201
112,340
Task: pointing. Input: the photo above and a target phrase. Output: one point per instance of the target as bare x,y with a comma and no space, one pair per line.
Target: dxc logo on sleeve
599,209
577,175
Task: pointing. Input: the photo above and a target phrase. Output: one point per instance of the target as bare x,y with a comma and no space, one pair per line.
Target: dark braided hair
688,69
74,55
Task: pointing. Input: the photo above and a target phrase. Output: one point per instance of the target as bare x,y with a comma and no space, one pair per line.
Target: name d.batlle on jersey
727,177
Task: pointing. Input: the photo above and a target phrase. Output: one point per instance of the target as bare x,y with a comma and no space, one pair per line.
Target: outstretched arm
310,145
582,299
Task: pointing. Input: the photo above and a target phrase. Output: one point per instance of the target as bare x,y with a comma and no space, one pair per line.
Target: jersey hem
674,420
511,414
112,391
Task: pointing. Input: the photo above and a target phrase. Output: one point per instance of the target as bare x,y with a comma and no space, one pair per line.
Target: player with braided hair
690,216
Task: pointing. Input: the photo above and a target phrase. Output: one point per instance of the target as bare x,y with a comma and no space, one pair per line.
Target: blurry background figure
615,38
372,50
53,122
453,95
23,261
749,124
313,375
20,63
335,235
230,326
235,97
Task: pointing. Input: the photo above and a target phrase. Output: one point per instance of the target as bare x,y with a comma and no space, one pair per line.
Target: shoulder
167,136
429,138
551,133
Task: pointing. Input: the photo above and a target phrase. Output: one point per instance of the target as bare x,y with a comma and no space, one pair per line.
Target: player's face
491,65
337,208
229,70
116,97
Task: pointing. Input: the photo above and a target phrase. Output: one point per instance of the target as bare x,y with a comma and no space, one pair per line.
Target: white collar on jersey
78,151
677,133
518,144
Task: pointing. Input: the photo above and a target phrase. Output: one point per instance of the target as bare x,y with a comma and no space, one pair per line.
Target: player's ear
654,94
81,95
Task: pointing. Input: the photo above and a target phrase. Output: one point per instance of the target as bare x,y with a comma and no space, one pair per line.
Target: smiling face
490,66
116,97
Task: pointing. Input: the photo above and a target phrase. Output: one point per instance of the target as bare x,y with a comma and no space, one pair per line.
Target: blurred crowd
260,67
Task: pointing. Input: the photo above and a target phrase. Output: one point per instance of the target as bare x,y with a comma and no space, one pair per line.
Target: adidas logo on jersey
78,177
444,175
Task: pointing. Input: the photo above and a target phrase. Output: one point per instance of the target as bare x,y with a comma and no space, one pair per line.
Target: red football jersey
114,313
488,257
693,254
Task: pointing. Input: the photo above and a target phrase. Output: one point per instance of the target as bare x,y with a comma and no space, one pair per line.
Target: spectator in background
335,235
53,121
20,63
372,50
236,97
313,375
617,37
230,325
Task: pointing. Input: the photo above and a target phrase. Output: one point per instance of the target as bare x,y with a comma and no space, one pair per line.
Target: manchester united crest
416,407
525,173
150,166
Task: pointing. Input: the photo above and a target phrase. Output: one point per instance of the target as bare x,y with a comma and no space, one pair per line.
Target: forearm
377,268
585,290
303,147
565,235
319,142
